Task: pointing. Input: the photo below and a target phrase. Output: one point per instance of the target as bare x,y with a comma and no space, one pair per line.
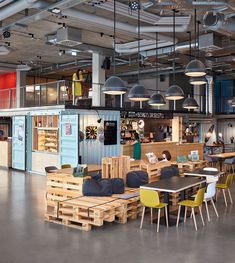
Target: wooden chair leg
185,214
194,219
151,212
230,196
166,214
142,218
225,199
207,210
158,219
178,218
200,210
213,203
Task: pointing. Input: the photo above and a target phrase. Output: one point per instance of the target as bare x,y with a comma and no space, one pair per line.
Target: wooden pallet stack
115,167
85,212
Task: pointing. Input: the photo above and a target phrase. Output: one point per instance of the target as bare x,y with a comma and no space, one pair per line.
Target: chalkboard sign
110,132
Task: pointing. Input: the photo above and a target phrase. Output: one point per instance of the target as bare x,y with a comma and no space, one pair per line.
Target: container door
18,143
69,139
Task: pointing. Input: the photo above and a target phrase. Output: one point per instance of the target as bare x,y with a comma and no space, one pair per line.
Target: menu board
147,115
110,132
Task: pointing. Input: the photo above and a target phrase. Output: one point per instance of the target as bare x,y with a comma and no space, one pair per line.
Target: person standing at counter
137,147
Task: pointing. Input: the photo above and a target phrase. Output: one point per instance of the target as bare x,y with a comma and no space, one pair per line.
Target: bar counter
5,154
174,148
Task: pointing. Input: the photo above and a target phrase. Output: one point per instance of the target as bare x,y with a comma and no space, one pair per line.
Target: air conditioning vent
68,36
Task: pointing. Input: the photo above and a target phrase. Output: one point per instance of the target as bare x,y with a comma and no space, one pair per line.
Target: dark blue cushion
97,176
169,171
91,188
118,185
106,187
135,179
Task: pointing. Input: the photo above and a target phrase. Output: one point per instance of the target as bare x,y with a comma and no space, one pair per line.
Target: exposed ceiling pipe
162,29
217,22
6,2
107,23
15,8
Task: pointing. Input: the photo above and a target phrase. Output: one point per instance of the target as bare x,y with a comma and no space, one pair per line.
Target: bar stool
150,198
226,186
213,161
229,164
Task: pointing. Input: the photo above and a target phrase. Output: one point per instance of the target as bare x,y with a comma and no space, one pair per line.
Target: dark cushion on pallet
169,171
92,187
135,179
118,185
50,169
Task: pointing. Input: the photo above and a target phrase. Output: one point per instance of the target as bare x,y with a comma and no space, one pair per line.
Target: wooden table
174,184
222,156
91,168
211,176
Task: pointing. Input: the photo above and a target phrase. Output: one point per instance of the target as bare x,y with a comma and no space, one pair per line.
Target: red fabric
7,82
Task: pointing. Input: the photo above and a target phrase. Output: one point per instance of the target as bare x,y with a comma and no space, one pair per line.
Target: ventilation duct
217,22
68,36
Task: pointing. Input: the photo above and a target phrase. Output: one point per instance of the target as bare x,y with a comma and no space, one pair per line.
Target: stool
229,164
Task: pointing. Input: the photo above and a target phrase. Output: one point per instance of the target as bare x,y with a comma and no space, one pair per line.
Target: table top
201,172
90,169
223,155
174,184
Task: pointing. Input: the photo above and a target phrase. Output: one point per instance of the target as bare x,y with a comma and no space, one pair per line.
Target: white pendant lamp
156,100
198,80
190,104
114,85
174,92
138,92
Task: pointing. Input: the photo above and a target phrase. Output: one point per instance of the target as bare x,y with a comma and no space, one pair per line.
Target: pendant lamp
138,92
195,67
156,100
114,85
174,92
198,80
190,104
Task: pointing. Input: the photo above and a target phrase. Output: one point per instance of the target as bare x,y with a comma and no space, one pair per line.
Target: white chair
210,193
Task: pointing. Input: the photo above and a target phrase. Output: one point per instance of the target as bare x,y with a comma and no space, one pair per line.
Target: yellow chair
150,199
197,202
64,166
224,186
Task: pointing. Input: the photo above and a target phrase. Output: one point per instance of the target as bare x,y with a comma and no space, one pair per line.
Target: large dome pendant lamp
114,85
195,67
156,100
190,104
138,92
174,92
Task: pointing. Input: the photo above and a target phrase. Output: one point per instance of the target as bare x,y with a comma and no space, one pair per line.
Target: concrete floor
26,238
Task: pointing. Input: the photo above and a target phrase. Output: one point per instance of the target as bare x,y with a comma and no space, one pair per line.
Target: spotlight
55,10
74,53
99,120
61,52
31,35
134,5
6,34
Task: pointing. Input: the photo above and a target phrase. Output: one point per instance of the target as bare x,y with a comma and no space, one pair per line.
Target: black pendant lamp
157,100
174,92
114,85
195,67
190,104
138,92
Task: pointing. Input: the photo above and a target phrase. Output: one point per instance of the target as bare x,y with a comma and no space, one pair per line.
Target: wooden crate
115,167
84,212
153,170
191,165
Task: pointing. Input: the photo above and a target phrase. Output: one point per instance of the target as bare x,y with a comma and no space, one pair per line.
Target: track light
6,34
31,35
61,52
55,10
134,5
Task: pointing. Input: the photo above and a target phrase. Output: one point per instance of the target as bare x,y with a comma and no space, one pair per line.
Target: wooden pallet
115,167
153,170
84,212
192,165
63,186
